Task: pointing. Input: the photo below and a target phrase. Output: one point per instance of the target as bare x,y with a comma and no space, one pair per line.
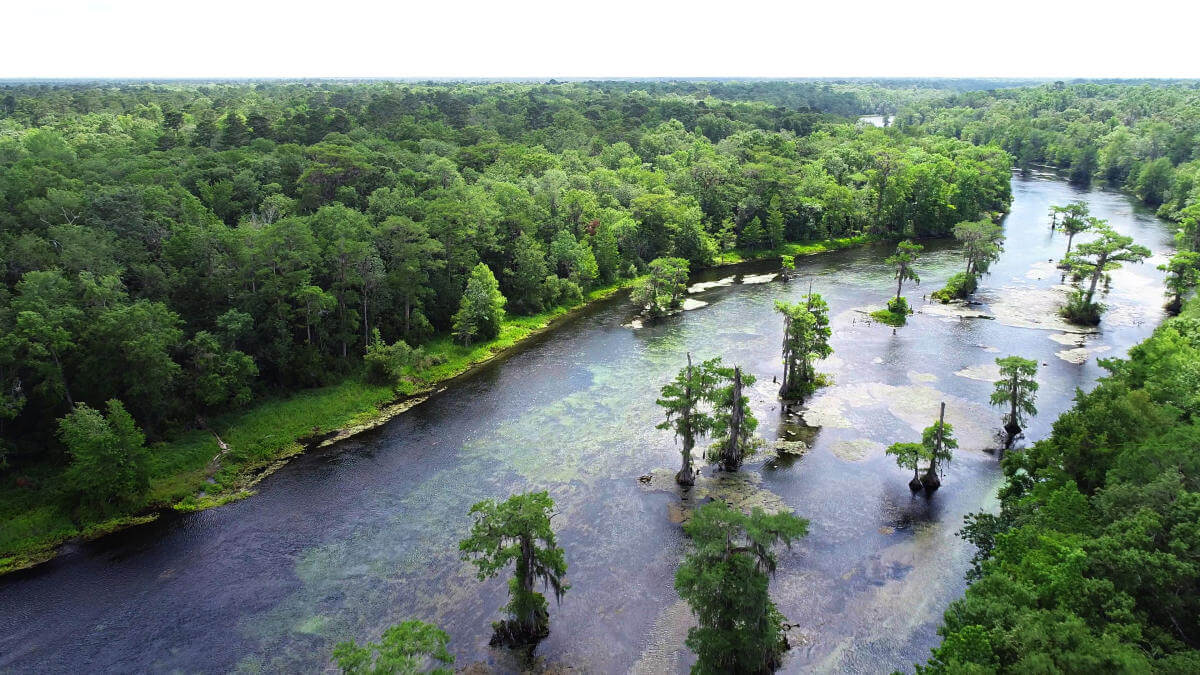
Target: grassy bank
192,471
795,249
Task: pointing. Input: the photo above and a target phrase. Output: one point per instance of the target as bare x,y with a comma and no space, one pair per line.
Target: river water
344,542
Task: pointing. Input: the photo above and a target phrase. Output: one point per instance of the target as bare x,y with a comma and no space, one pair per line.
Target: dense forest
1139,138
180,249
174,254
1093,563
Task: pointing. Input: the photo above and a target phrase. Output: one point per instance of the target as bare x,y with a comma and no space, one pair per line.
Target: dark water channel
344,542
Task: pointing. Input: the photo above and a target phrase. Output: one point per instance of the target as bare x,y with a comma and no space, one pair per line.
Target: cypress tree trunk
686,475
788,359
930,480
731,459
1096,277
1012,427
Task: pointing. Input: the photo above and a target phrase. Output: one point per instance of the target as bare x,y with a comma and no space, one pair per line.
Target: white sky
598,38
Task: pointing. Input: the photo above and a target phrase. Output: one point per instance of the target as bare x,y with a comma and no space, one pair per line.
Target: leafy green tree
663,288
481,309
108,457
234,132
787,265
981,241
526,279
1017,389
46,321
606,252
1075,220
220,376
1095,258
1154,181
682,400
314,303
133,348
939,443
517,531
805,339
411,255
386,363
909,456
733,422
407,648
725,581
903,260
1183,273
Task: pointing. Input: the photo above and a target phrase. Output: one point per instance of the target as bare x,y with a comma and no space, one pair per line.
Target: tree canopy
724,579
517,532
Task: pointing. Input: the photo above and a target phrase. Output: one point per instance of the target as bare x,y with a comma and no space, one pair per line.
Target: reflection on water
344,542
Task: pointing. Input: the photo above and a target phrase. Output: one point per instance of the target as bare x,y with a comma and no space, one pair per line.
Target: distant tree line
1144,138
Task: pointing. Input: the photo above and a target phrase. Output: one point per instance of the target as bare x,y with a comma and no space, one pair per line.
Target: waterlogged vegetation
904,260
556,452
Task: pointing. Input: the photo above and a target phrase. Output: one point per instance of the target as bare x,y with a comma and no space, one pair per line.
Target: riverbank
194,472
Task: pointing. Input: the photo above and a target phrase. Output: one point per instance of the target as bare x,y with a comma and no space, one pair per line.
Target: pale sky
598,38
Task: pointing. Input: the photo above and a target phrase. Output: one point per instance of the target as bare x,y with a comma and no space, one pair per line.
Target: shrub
957,287
108,456
896,313
386,364
1079,310
558,291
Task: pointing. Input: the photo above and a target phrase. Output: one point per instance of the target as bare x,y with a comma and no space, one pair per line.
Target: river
344,542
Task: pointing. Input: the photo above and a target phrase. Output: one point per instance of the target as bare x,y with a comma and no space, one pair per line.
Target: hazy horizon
364,39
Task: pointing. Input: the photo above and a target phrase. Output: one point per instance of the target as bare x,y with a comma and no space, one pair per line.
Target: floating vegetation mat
741,490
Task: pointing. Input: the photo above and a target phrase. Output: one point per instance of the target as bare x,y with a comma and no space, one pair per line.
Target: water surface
342,543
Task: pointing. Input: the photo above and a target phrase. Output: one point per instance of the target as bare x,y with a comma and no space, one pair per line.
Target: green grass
795,249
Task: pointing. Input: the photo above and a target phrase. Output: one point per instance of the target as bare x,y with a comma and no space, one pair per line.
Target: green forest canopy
181,247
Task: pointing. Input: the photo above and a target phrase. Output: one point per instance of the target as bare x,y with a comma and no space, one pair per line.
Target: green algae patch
783,447
856,450
200,502
741,490
313,625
